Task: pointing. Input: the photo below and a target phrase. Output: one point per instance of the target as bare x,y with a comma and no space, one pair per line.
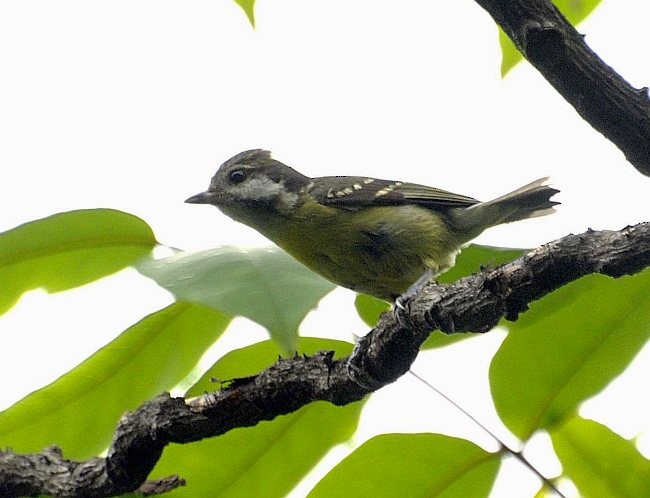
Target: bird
373,236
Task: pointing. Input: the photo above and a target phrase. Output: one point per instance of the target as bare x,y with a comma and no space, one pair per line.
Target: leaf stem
503,447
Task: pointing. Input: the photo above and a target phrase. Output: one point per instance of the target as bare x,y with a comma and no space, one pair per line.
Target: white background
133,104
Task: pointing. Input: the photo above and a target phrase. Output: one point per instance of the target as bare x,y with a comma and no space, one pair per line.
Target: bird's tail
529,201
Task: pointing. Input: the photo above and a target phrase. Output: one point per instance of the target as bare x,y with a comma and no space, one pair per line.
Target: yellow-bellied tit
369,235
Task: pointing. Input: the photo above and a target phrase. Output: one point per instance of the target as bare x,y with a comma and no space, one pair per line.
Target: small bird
378,237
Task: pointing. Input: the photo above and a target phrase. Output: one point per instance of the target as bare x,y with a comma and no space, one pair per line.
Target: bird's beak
202,198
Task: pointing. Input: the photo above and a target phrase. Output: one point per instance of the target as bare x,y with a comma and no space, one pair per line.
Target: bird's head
253,181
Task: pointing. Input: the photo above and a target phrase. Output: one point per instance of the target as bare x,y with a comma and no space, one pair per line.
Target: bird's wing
357,192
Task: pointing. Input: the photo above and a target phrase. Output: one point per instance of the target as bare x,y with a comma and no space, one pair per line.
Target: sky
132,105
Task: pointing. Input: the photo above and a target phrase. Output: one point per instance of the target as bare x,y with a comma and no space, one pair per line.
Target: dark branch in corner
472,304
599,94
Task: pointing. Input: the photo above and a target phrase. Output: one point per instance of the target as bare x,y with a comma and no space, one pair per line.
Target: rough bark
472,304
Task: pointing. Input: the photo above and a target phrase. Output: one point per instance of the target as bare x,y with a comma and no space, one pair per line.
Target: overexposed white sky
133,104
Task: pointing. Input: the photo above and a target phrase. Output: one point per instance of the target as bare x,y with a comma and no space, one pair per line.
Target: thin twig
503,447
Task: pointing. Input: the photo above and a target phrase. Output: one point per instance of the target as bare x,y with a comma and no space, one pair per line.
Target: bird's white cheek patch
259,189
265,189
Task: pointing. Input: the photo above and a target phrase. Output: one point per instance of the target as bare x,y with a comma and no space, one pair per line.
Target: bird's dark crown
251,157
260,160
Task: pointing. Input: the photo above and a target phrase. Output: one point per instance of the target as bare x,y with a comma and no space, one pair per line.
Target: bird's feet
402,302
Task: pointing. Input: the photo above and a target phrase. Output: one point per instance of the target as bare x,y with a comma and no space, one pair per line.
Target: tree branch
471,304
599,94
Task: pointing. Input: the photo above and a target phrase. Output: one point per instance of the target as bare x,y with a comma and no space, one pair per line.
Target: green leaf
600,462
370,308
568,347
69,249
251,360
270,458
469,261
545,492
510,56
574,10
474,257
249,9
79,411
429,465
266,285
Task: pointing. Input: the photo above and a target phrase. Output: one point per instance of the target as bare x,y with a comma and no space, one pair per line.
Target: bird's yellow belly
382,259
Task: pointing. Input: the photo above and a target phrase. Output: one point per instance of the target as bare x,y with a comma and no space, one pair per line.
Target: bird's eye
237,176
